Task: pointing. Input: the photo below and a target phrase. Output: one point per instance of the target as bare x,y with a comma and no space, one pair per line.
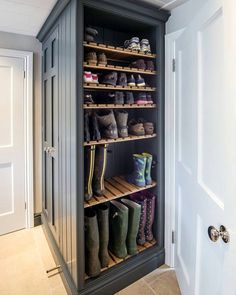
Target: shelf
116,187
94,86
118,69
119,139
116,52
119,106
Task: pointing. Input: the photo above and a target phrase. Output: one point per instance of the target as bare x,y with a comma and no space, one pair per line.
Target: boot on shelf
89,170
151,201
91,57
110,78
137,177
102,59
121,120
118,228
119,97
86,125
129,98
107,122
148,168
99,169
92,263
95,132
103,226
133,225
122,80
136,128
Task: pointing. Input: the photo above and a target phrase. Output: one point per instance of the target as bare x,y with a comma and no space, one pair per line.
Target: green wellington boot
88,175
134,219
99,169
148,168
92,263
103,226
118,229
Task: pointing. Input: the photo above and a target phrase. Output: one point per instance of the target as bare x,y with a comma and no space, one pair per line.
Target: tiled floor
25,257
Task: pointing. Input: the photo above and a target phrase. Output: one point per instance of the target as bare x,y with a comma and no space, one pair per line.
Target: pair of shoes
141,175
90,34
144,98
96,239
135,44
113,78
118,97
139,81
94,58
140,127
141,64
147,200
95,166
124,225
89,77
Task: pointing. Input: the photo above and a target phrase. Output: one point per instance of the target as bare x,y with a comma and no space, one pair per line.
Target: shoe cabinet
64,51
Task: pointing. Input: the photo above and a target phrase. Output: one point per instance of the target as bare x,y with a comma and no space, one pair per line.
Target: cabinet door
50,132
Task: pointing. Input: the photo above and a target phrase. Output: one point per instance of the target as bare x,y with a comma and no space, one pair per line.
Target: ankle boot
118,229
99,169
133,225
107,122
110,78
103,226
119,97
122,80
137,177
148,178
142,201
121,120
96,135
86,126
151,201
89,170
92,263
129,97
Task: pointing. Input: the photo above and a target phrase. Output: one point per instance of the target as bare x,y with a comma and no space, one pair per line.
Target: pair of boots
96,240
91,129
124,226
141,175
147,201
95,167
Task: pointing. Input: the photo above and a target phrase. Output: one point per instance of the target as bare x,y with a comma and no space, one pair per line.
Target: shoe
88,99
110,79
145,46
133,225
141,98
122,80
94,130
103,227
139,64
132,44
119,97
86,126
140,81
148,178
88,77
118,229
148,126
150,65
95,78
149,98
131,81
91,58
121,121
107,123
88,38
137,177
91,31
89,169
102,59
92,263
151,202
129,98
100,163
136,128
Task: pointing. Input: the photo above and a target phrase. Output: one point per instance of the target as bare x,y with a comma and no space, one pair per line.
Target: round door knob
215,234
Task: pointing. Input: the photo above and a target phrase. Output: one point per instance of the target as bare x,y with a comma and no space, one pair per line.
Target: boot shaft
148,168
121,120
99,169
107,123
89,170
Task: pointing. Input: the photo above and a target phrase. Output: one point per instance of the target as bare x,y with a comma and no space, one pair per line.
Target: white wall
28,43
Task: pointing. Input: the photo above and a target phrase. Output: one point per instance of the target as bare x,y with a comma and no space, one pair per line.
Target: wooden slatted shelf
119,139
118,69
94,86
116,52
116,187
120,106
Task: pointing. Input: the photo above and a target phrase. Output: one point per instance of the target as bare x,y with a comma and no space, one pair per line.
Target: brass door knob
215,234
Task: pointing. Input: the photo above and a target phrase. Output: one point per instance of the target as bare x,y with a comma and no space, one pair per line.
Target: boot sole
141,84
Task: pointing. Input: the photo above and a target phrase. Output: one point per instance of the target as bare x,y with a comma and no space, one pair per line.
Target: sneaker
88,99
148,126
149,99
95,78
110,78
122,80
145,46
140,81
88,38
102,59
150,65
141,98
91,31
91,57
88,77
132,44
138,64
129,98
131,81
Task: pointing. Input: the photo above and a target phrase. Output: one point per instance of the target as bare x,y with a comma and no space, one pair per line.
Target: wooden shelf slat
94,86
119,106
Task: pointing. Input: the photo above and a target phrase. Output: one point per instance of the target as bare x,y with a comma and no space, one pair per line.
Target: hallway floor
25,257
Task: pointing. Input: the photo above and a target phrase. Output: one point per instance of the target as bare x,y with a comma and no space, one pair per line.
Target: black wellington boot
103,226
99,169
92,263
89,170
86,126
95,132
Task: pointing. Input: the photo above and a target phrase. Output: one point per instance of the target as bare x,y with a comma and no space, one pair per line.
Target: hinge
173,237
24,74
173,65
25,205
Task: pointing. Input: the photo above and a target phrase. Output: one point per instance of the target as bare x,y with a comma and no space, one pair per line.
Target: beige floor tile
138,288
153,275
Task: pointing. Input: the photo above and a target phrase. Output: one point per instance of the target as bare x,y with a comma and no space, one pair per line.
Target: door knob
215,234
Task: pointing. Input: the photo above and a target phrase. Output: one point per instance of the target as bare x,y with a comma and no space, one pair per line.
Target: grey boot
107,123
121,120
99,169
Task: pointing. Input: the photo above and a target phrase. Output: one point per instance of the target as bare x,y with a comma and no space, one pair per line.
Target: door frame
27,56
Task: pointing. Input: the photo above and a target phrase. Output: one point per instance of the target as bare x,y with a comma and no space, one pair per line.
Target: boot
148,178
107,122
118,229
103,226
92,263
138,64
121,120
134,219
129,99
150,65
102,59
151,201
96,135
91,57
89,170
142,201
136,128
122,81
86,126
119,97
137,177
110,78
99,169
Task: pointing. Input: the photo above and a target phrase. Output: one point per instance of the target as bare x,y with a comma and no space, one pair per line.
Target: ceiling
27,16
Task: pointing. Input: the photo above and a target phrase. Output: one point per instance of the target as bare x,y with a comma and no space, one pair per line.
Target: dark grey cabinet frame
68,247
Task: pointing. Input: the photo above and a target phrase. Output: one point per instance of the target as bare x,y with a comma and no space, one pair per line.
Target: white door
12,145
205,166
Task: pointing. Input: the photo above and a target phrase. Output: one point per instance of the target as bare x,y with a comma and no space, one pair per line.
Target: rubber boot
121,120
103,226
137,177
151,202
118,229
96,135
142,201
86,126
107,123
134,219
92,263
148,168
99,169
89,170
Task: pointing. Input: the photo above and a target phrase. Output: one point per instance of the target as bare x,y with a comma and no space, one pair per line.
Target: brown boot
99,169
91,58
136,128
107,123
102,59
